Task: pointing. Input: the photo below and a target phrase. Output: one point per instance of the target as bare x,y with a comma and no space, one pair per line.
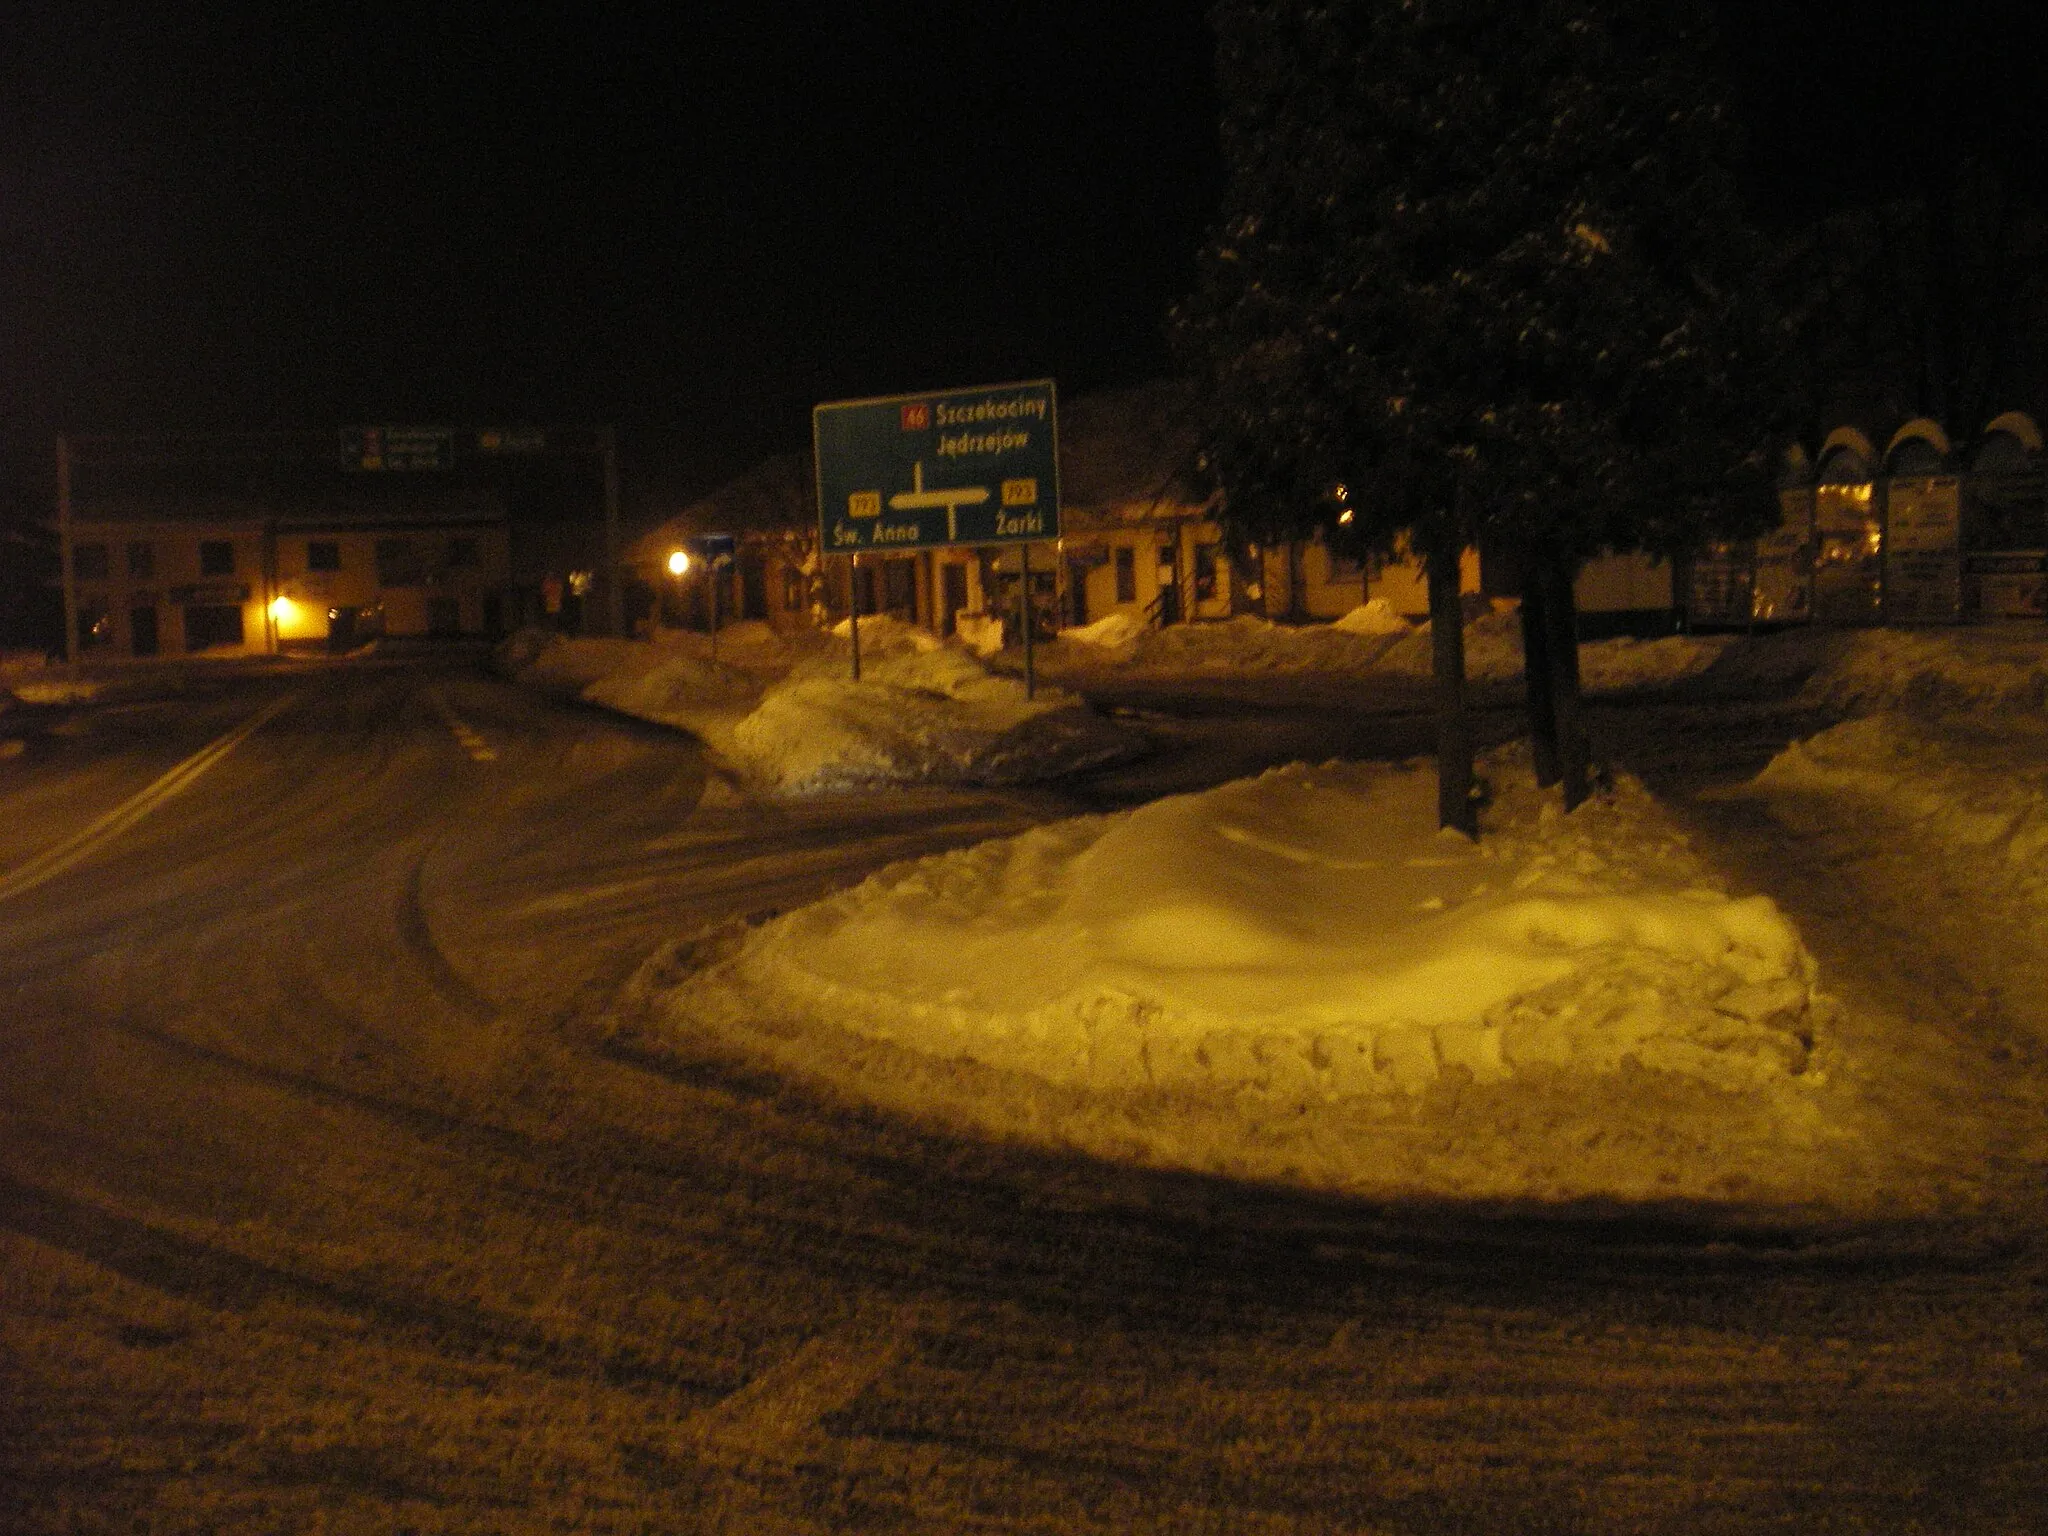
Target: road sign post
1024,613
900,473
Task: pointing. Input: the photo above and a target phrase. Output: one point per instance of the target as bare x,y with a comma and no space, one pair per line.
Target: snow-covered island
1295,979
786,716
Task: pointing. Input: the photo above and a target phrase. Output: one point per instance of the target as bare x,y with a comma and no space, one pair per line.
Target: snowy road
324,1205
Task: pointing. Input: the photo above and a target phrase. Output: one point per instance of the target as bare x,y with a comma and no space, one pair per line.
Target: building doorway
142,635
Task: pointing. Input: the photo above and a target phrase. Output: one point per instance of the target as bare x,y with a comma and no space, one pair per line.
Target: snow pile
1493,654
1626,662
33,680
922,712
566,661
1116,632
1493,649
1929,670
981,633
1374,618
1297,977
55,690
672,688
881,635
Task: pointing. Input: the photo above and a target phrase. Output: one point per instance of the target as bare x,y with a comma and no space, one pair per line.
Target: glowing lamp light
282,609
1345,516
678,562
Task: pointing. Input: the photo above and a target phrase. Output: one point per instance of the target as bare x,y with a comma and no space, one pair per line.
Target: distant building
179,575
1917,531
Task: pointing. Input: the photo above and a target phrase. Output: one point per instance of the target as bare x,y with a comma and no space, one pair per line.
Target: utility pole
70,576
614,597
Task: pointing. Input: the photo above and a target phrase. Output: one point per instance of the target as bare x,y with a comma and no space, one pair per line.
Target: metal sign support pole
853,610
1024,602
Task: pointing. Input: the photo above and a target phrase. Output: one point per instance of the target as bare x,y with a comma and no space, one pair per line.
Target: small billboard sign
963,466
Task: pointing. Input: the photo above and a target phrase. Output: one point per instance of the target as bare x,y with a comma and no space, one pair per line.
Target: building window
1205,573
141,560
89,562
795,589
216,557
1126,574
396,564
461,553
323,555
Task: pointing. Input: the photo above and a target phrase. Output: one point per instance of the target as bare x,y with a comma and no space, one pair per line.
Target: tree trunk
1536,674
1561,629
1454,807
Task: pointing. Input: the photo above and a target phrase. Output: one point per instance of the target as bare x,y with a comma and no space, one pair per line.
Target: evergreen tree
1484,267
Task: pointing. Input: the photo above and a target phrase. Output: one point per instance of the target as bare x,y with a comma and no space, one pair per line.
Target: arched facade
1848,570
2005,523
1921,509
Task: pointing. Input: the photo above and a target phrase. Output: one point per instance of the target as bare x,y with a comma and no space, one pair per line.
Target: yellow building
160,575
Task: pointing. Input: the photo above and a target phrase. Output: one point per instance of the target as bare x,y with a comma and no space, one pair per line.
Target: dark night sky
244,216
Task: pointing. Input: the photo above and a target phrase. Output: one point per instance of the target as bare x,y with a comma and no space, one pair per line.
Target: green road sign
397,448
962,466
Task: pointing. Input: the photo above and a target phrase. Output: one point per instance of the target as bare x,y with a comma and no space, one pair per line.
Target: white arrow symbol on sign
917,498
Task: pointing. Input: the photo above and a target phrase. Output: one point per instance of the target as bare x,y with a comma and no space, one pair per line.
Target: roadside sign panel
511,440
1923,550
397,448
964,466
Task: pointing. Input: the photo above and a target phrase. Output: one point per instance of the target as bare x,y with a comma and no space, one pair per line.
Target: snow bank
1373,618
1370,637
1297,977
921,713
2000,668
1493,654
1243,644
1980,795
33,679
55,690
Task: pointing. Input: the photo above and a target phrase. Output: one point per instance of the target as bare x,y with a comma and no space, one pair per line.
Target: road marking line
81,845
470,740
782,1405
